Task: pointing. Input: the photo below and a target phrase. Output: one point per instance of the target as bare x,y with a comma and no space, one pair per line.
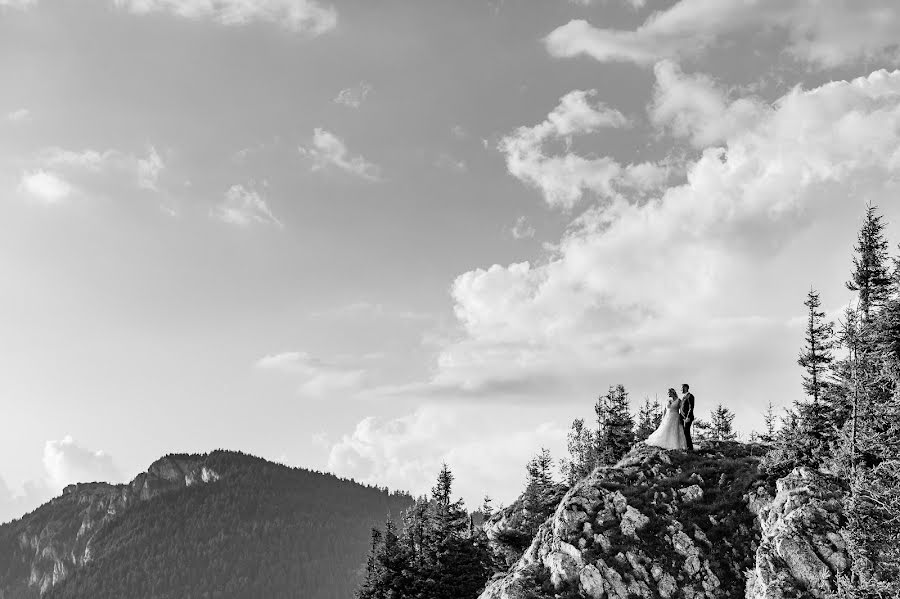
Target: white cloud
244,207
353,97
327,149
635,4
522,229
317,377
698,283
19,116
15,504
407,452
693,106
449,163
564,178
823,34
67,462
302,16
149,169
141,171
45,186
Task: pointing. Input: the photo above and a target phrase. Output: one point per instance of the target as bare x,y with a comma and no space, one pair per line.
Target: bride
670,434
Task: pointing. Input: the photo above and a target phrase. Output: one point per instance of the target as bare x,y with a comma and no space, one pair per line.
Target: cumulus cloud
823,34
316,377
302,16
243,207
407,452
694,107
563,178
353,97
328,150
66,462
45,186
672,287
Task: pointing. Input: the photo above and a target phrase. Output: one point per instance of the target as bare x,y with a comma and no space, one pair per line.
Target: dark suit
687,416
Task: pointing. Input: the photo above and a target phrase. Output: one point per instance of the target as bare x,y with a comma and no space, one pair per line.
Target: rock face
802,550
657,524
511,529
54,548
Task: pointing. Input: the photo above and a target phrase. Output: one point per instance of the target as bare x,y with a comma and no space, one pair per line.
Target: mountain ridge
87,541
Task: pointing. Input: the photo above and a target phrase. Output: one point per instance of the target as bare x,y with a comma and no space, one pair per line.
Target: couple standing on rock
674,432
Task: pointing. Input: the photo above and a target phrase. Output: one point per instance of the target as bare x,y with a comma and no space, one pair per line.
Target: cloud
353,97
45,186
18,116
522,229
693,106
449,163
149,169
87,165
373,310
66,462
699,281
15,504
317,378
822,34
301,16
243,207
18,4
564,178
407,452
459,132
327,150
635,4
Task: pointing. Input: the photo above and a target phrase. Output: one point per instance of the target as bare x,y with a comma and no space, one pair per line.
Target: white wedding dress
670,434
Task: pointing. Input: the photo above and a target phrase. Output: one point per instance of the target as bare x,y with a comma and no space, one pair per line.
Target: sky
371,237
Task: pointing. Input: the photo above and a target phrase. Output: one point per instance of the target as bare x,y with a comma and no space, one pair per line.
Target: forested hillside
260,530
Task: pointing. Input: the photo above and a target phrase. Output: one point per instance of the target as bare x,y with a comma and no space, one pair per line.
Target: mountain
706,524
223,524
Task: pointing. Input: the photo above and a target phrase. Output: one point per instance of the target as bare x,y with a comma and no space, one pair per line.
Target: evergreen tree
817,356
439,555
615,431
720,424
487,510
769,419
815,426
870,264
649,417
582,446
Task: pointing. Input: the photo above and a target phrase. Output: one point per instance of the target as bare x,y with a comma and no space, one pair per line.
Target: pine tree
769,418
870,269
487,510
817,356
615,434
720,424
582,446
649,417
815,427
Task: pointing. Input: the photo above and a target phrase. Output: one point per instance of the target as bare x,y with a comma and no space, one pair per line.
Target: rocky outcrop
657,524
511,529
54,547
802,551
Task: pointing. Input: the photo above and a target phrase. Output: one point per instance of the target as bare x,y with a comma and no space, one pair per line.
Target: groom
687,413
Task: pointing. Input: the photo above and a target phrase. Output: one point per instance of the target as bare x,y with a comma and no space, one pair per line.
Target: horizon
331,235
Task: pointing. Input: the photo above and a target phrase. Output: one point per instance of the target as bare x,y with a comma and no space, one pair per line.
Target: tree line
848,422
